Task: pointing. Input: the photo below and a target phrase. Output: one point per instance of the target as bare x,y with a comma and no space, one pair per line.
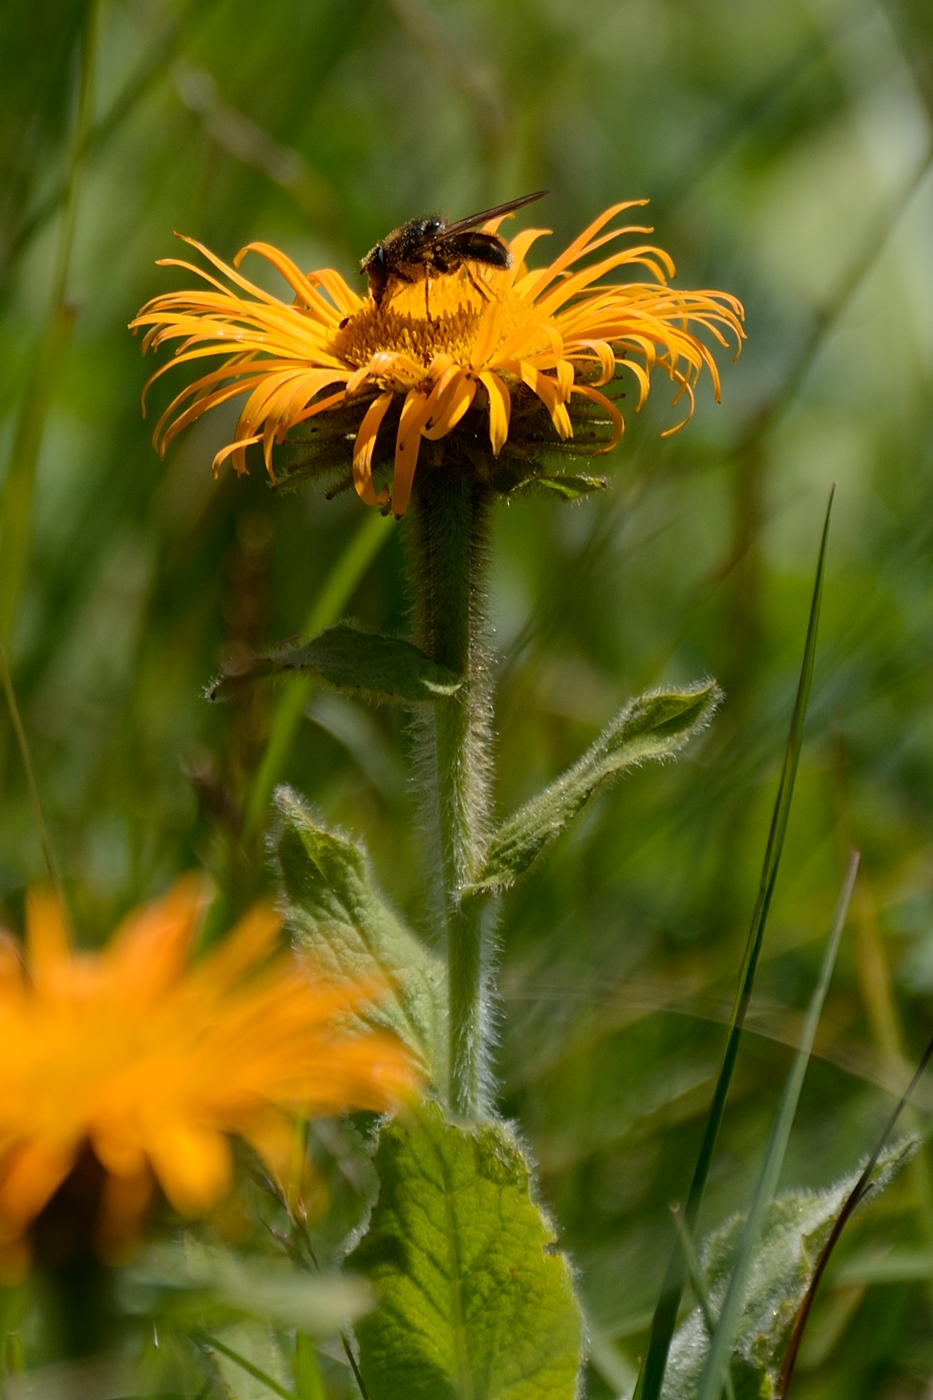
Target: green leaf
341,919
795,1228
569,488
655,726
475,1302
368,664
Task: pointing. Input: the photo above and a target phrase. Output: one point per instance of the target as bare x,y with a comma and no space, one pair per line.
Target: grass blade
339,588
856,1196
308,1383
698,1284
214,1344
15,718
717,1362
665,1316
16,505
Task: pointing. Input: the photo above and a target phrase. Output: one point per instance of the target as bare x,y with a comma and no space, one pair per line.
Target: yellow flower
145,1064
489,340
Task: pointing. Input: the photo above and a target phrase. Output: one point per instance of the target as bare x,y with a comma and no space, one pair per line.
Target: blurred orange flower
549,333
151,1062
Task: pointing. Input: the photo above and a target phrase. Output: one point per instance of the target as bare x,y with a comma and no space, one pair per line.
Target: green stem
449,556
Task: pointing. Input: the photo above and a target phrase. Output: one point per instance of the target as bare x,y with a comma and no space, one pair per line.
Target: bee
424,247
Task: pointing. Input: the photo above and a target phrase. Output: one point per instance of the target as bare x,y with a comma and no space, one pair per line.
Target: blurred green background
785,147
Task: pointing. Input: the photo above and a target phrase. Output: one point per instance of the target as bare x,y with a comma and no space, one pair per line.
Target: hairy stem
449,556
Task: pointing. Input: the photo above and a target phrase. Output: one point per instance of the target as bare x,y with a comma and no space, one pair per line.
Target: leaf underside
368,664
565,485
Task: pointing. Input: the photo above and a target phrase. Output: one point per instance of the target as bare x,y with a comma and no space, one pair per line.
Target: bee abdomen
474,247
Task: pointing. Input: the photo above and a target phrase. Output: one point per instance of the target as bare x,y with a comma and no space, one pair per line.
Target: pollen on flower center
419,326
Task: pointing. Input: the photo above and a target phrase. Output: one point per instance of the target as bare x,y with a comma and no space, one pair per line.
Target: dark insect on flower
425,247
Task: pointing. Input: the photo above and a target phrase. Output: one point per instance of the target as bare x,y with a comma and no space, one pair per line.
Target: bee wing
464,225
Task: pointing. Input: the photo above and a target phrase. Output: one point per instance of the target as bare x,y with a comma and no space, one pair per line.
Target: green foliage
711,1384
194,1280
342,921
665,1314
250,1363
655,726
795,1228
775,142
475,1302
567,487
368,664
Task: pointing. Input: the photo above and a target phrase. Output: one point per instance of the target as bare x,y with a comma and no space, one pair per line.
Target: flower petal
31,1175
500,405
415,413
618,422
363,450
193,1165
452,403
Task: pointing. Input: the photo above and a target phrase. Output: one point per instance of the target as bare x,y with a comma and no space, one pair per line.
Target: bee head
375,267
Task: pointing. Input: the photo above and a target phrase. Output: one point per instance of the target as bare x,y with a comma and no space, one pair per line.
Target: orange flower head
513,358
145,1065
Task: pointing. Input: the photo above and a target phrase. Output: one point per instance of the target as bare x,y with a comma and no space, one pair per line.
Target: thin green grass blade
665,1316
697,1283
214,1344
716,1369
16,500
16,505
339,588
48,850
158,56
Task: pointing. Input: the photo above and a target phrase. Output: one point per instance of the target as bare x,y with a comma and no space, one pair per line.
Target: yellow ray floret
152,1062
559,331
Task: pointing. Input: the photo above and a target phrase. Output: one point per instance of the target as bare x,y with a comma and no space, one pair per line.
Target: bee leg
475,282
427,300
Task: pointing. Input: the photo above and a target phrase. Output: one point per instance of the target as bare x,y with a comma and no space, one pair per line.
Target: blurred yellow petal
136,1060
193,1165
31,1174
150,948
48,947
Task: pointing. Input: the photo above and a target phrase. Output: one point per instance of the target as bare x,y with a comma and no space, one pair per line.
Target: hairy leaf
796,1226
369,664
475,1303
655,726
568,487
342,921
